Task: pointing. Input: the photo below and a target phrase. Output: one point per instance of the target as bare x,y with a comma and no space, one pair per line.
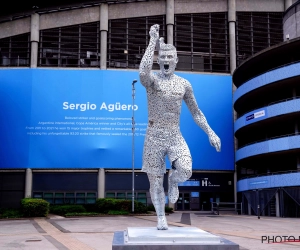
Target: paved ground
97,232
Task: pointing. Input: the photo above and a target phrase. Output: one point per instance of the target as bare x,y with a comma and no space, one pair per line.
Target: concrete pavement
84,233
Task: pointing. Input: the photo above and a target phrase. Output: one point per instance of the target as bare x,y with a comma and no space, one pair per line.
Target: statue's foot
162,223
173,191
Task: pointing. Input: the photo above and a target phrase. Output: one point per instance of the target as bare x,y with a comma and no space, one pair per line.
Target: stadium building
267,127
67,103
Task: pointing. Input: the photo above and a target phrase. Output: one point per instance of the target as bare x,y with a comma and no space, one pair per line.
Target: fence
216,207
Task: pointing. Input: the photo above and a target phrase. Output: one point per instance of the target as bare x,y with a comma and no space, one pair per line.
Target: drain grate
33,240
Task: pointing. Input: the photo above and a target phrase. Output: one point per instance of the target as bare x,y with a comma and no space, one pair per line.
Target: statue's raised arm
146,76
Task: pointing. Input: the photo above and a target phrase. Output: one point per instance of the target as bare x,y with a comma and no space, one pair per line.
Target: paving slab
87,233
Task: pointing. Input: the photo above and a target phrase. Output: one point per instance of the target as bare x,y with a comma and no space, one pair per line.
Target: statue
165,92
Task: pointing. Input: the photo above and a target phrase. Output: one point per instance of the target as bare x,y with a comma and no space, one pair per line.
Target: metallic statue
165,92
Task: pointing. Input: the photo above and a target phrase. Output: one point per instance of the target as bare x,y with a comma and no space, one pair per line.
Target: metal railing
272,69
217,207
268,139
270,104
267,174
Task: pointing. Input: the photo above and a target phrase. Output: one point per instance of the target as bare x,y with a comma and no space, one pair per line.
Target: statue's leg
181,171
158,199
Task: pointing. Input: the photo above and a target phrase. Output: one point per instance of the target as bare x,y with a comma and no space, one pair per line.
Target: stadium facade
66,100
266,102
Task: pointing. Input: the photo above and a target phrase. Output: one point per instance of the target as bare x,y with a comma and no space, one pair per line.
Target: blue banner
83,119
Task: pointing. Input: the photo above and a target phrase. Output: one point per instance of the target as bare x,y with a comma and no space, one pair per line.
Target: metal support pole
258,205
241,208
133,130
101,183
103,34
34,39
28,183
277,203
232,42
170,6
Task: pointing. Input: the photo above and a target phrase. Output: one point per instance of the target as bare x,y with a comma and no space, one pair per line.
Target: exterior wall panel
15,27
260,5
196,6
271,181
279,109
12,188
270,146
64,181
119,11
70,17
267,78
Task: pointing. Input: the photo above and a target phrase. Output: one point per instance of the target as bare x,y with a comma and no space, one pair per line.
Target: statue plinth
179,238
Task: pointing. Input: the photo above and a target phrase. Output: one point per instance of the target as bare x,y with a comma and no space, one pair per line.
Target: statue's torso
165,100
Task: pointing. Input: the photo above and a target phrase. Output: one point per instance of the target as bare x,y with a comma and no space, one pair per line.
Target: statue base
175,238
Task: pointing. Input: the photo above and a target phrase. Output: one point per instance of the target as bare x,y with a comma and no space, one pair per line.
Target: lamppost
133,130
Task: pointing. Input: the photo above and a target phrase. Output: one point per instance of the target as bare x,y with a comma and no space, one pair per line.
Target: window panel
256,31
121,195
128,39
15,51
110,195
199,38
70,46
68,197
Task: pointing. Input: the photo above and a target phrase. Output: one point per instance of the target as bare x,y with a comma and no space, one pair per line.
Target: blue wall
269,77
40,126
286,107
270,181
269,146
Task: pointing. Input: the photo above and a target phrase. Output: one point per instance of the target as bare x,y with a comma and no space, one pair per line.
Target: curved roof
267,59
11,10
295,7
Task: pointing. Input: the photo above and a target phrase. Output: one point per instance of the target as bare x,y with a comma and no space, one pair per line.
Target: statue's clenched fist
154,32
214,141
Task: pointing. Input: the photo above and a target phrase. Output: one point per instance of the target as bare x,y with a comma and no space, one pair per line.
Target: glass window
80,194
256,31
90,200
58,201
80,201
121,196
128,39
110,195
142,200
91,194
15,51
202,42
129,196
48,195
70,46
72,197
69,200
49,200
38,195
80,198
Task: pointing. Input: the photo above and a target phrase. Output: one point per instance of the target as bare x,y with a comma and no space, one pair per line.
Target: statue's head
167,58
